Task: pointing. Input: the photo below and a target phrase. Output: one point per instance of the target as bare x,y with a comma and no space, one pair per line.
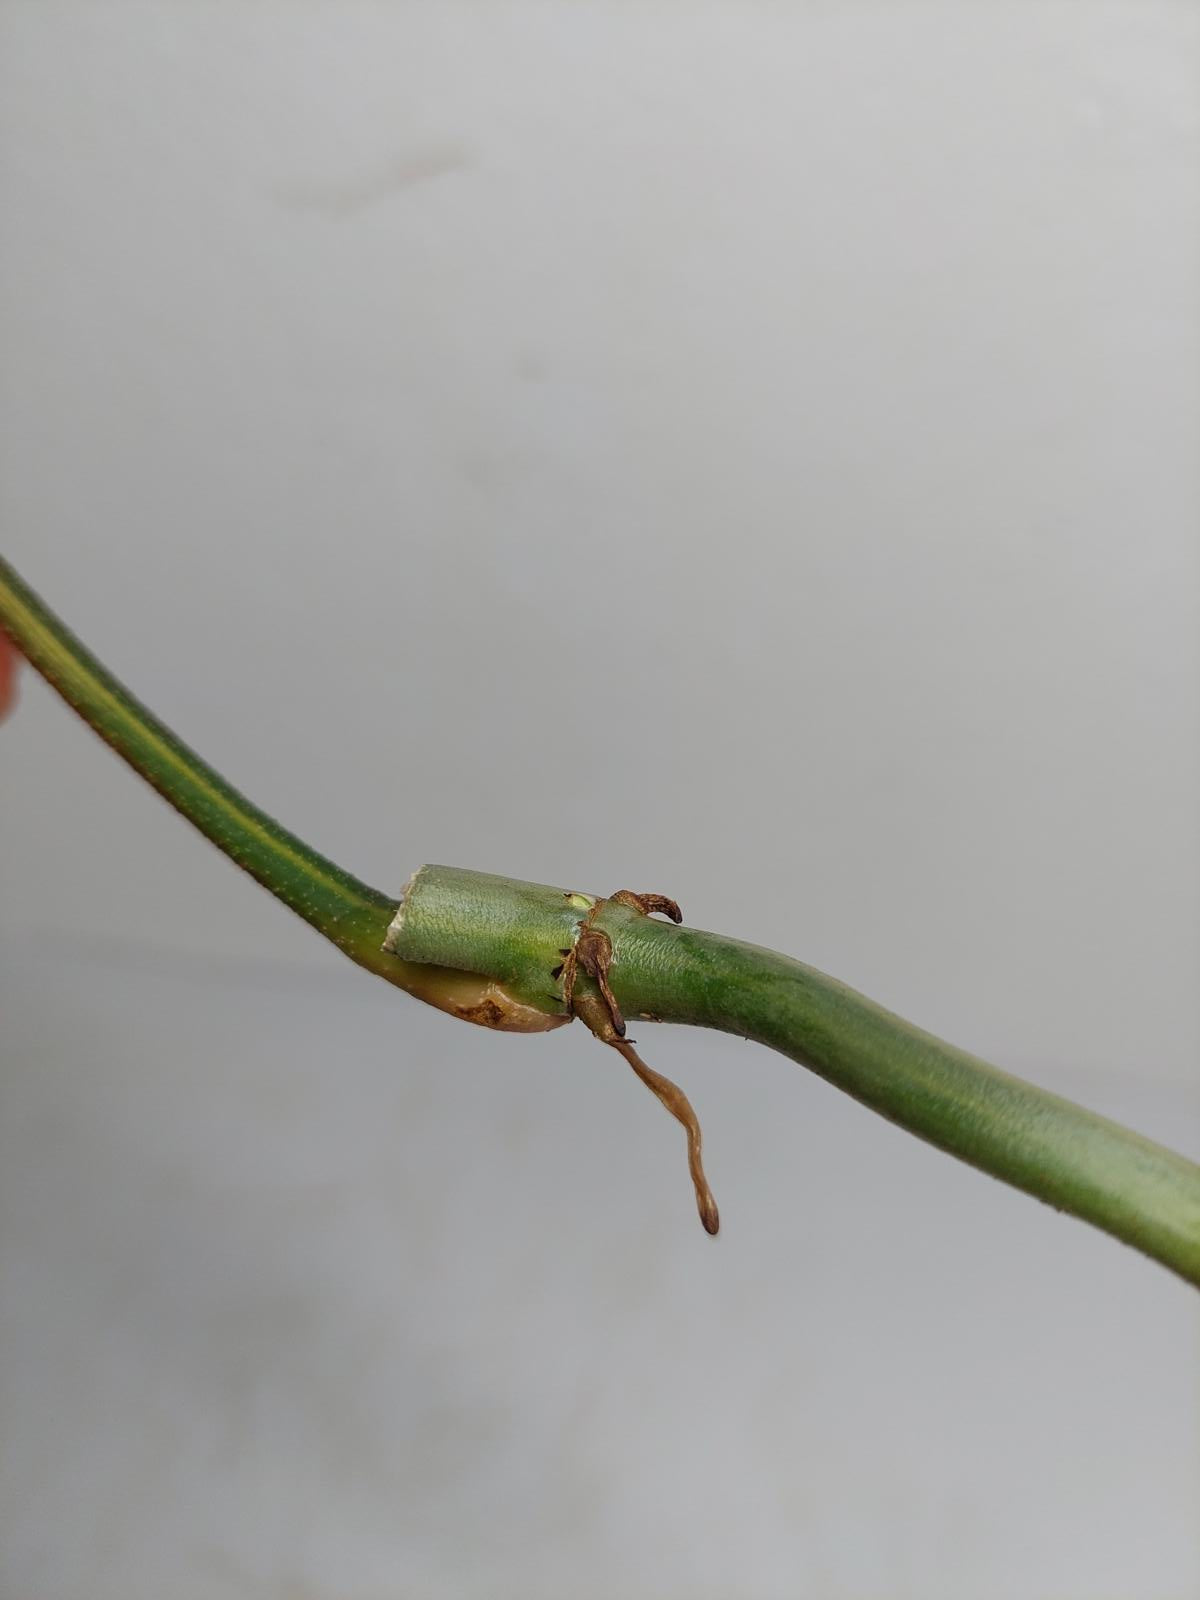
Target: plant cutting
526,957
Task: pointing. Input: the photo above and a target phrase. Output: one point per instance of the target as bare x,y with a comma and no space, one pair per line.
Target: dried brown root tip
664,906
614,1010
596,1016
680,1107
648,904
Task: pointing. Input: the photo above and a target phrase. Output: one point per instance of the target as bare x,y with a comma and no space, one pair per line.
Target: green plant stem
1077,1161
346,911
509,936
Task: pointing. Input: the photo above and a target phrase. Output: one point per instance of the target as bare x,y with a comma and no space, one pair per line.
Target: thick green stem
490,949
1069,1157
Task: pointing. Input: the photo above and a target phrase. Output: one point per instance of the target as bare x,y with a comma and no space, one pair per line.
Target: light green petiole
485,948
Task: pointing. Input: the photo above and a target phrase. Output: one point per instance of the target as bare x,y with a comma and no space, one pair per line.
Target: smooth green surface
518,930
512,933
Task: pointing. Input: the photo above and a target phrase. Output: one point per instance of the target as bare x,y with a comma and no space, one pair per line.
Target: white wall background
822,382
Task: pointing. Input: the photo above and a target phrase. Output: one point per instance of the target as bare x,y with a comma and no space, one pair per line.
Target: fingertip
9,660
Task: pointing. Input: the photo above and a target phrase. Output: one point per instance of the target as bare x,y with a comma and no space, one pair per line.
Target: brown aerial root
680,1107
594,1013
593,952
647,904
593,949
